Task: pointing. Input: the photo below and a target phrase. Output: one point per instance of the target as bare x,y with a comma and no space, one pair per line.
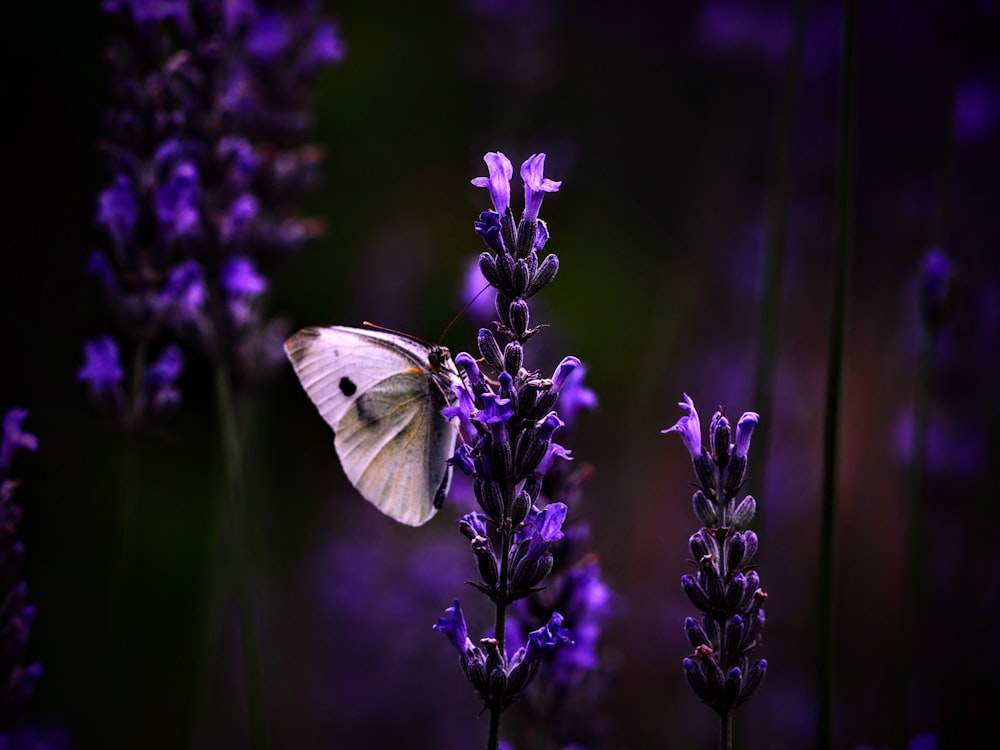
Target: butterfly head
438,358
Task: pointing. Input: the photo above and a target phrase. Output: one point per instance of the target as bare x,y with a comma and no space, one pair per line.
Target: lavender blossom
17,682
725,586
937,286
510,423
207,152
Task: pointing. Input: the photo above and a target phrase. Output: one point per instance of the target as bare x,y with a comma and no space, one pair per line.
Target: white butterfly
382,393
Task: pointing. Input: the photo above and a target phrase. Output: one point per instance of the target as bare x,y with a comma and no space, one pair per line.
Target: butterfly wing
374,390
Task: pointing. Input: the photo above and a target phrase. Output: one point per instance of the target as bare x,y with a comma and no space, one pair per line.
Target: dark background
660,118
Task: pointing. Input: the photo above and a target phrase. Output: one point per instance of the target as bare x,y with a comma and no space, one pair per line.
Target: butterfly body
382,393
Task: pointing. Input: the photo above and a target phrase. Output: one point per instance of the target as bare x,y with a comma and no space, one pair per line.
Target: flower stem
843,236
126,530
913,536
499,632
238,535
726,731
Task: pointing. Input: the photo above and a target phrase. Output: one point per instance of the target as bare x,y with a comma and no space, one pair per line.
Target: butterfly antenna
462,312
377,327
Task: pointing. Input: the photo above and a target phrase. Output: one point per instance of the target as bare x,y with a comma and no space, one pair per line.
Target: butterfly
382,393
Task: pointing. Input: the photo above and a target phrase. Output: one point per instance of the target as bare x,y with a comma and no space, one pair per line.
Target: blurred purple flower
937,282
976,111
17,682
207,153
101,370
15,439
162,376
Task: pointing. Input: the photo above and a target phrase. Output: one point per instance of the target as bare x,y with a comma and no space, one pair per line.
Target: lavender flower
207,153
510,424
17,682
725,586
937,286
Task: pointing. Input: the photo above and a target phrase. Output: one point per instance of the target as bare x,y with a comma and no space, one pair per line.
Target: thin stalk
843,238
499,633
126,530
238,538
912,544
726,731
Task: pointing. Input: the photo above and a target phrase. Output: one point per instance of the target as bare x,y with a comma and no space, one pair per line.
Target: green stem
912,544
499,632
126,530
843,228
239,542
726,731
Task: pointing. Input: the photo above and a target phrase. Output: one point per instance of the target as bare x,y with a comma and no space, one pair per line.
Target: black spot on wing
347,386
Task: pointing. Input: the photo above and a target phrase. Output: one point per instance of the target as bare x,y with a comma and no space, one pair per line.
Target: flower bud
513,357
490,497
744,513
488,267
543,276
519,317
697,595
735,548
704,509
490,350
519,278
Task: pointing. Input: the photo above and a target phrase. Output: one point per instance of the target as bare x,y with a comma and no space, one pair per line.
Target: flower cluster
725,588
16,681
564,706
509,419
495,678
206,154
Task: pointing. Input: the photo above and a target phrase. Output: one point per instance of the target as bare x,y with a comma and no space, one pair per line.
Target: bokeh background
663,120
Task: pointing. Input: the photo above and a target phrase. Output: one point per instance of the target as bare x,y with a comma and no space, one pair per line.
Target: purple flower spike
161,378
184,293
564,371
546,638
476,521
689,427
468,363
462,460
453,626
101,369
177,200
744,429
548,524
937,283
240,278
99,266
548,425
495,410
541,528
14,437
501,170
555,451
326,45
117,209
535,186
462,407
